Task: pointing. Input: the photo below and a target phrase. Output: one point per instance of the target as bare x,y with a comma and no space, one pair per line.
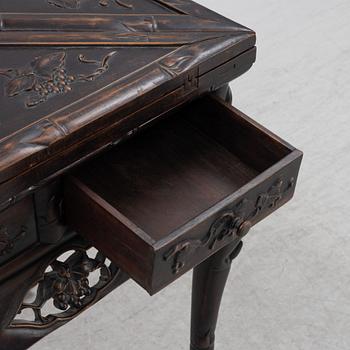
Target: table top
70,69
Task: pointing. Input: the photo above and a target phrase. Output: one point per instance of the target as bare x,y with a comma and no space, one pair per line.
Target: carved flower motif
67,284
70,281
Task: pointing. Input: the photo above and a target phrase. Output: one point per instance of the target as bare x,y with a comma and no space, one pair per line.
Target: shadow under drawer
165,200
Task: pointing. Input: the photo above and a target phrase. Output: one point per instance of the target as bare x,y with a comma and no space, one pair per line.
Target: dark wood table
122,157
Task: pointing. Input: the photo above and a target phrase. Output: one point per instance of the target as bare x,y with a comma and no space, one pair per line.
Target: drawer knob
244,228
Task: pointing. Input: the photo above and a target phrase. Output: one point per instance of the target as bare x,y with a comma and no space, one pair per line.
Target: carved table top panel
72,69
39,80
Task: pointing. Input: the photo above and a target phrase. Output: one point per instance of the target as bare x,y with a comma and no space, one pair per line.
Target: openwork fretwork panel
70,283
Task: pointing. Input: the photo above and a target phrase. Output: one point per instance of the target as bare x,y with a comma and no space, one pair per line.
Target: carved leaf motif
8,73
45,290
45,65
34,100
68,4
20,84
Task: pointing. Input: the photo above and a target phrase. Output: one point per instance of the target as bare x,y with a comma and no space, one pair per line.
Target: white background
290,287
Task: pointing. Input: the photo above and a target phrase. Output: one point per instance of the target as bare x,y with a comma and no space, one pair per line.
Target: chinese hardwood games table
121,157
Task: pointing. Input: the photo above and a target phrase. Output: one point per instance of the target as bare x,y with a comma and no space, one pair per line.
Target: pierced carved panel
68,287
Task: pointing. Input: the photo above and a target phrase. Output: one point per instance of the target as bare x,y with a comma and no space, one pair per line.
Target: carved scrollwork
47,76
234,223
75,4
68,286
177,254
7,243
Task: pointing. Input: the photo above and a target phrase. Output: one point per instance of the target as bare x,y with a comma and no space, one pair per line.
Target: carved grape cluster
71,296
70,282
60,83
47,76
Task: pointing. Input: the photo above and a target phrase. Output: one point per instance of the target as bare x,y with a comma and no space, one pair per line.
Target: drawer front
17,229
227,222
172,196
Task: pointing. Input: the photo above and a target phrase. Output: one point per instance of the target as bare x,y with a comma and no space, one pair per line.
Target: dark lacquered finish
67,92
209,280
114,135
166,200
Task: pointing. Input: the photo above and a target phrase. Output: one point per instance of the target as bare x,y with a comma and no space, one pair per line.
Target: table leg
209,279
225,93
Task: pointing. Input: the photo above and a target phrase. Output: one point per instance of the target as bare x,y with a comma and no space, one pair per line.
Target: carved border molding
231,224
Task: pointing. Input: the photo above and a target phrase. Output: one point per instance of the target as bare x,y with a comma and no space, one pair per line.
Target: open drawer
165,200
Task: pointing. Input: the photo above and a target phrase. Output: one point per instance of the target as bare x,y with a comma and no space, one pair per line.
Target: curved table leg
209,280
225,93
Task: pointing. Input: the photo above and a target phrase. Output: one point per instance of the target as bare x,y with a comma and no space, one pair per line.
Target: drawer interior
180,167
166,177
